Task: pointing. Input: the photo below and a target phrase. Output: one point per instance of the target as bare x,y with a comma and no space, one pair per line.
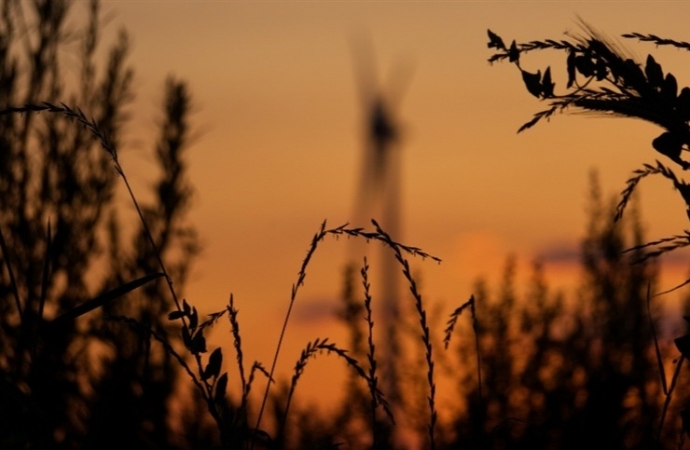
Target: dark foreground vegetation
98,349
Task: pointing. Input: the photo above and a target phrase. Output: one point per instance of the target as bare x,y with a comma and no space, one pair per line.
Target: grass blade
102,299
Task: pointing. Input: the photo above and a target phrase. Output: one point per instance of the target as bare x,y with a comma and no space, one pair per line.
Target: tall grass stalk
184,312
295,288
371,352
79,117
210,382
311,350
377,235
237,342
448,332
604,80
426,338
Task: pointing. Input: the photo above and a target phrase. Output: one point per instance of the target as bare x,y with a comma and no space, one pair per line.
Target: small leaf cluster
541,86
193,331
319,346
211,381
601,79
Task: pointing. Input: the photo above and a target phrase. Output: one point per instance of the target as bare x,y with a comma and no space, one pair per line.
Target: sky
279,125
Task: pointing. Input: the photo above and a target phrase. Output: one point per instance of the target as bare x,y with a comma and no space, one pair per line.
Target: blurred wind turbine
378,194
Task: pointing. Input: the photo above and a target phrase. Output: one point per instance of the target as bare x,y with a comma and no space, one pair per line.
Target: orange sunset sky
279,142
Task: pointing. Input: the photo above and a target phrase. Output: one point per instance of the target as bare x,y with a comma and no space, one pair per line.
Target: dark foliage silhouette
603,80
77,352
552,367
68,379
94,361
134,375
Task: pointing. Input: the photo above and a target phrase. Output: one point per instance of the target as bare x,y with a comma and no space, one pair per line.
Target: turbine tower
378,196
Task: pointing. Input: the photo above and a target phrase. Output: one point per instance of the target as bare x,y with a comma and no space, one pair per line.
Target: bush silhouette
67,383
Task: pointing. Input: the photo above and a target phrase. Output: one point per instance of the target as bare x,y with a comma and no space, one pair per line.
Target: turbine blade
364,65
398,81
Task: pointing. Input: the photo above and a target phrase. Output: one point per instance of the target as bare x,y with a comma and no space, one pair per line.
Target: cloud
315,309
479,253
562,253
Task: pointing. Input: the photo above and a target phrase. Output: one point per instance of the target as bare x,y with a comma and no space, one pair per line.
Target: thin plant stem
426,338
149,236
372,348
377,235
295,288
208,394
667,401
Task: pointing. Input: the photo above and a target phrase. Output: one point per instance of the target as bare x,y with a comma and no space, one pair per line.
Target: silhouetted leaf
186,308
683,104
633,74
213,366
669,144
584,65
600,69
571,69
653,71
669,90
495,41
198,344
193,319
175,315
513,52
683,345
532,82
546,84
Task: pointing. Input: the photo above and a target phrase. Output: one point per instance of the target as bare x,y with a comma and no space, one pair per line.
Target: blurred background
281,133
283,104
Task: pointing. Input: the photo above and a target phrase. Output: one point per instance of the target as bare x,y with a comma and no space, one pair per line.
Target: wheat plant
603,80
